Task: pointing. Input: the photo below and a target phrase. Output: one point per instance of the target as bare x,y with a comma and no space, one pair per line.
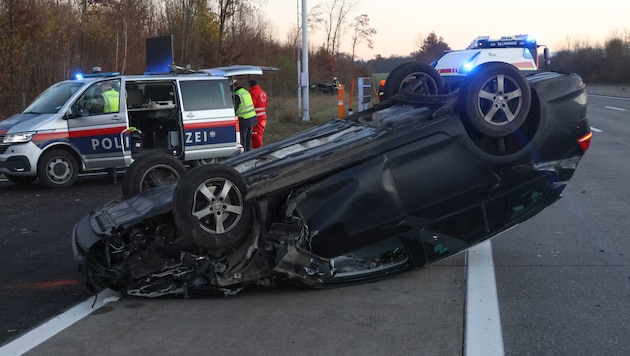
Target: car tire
151,171
496,99
20,180
209,207
426,80
57,169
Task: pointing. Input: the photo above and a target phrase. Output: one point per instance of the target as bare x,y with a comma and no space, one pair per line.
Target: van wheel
201,162
496,99
151,171
209,207
423,78
57,169
21,180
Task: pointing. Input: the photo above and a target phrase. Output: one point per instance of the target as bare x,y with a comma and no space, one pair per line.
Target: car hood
25,122
105,221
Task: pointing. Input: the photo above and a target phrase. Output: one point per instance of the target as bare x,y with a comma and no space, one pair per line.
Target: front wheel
151,171
496,99
209,207
57,169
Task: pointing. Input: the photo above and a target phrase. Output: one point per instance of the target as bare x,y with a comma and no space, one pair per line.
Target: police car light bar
517,41
80,76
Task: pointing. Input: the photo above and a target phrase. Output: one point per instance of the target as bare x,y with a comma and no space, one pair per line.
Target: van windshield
52,99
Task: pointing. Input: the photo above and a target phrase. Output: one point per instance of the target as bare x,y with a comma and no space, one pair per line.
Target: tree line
45,41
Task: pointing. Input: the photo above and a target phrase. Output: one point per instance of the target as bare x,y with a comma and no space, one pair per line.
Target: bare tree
335,13
362,31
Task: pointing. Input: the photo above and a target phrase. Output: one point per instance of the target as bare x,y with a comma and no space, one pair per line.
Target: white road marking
55,325
615,108
596,130
483,335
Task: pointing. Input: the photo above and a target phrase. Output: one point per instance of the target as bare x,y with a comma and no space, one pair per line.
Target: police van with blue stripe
106,121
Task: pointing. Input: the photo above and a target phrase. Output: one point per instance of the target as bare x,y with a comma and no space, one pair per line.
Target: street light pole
305,84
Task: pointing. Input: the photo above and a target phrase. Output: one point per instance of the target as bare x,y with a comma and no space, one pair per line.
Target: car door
210,125
98,127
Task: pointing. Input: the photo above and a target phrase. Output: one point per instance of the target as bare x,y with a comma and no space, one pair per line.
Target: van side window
205,95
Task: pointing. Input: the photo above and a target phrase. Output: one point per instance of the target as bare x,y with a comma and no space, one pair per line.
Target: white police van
73,128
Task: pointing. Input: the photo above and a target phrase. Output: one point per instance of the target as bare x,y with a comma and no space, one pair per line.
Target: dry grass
284,119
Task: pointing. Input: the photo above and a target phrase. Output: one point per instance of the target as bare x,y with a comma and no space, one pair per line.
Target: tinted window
205,95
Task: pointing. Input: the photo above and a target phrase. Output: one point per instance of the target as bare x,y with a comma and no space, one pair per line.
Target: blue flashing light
469,64
80,76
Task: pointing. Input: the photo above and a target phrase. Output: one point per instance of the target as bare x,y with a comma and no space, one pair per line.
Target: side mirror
69,115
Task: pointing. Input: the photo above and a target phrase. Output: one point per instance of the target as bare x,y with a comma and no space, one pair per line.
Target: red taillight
585,141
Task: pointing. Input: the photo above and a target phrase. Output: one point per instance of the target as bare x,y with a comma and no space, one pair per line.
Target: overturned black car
413,180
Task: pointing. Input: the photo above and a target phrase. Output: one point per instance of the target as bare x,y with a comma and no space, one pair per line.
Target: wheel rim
420,83
158,176
59,170
500,100
207,161
218,204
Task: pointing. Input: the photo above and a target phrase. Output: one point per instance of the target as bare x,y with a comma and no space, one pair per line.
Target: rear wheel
496,99
200,162
151,171
209,207
57,169
416,77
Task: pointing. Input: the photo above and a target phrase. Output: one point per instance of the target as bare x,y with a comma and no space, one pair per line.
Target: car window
53,98
205,95
100,98
528,198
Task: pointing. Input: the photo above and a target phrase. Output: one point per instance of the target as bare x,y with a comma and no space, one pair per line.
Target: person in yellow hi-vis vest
111,97
246,113
111,100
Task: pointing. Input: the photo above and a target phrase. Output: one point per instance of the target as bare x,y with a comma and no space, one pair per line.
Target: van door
210,125
98,128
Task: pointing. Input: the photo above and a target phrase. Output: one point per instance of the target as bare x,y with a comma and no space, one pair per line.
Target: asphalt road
563,277
563,282
39,278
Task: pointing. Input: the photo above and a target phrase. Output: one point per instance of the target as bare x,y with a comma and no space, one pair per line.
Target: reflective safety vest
111,98
245,109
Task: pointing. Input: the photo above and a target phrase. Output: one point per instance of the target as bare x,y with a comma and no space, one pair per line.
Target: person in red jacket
260,105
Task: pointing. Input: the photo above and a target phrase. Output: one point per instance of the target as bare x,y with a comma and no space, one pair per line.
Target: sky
558,24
